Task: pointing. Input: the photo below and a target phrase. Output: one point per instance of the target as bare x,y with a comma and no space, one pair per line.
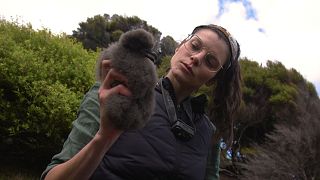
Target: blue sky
279,30
250,12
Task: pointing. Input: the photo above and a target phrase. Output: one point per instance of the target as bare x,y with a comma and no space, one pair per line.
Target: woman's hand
107,89
83,164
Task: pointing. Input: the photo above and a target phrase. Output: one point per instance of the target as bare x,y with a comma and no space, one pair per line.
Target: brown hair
226,87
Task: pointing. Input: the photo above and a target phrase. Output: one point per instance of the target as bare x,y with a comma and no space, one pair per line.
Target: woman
178,139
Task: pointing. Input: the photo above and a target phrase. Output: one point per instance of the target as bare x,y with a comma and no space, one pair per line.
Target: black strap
169,105
179,128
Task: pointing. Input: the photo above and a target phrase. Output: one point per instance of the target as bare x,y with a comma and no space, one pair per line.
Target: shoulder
90,99
93,91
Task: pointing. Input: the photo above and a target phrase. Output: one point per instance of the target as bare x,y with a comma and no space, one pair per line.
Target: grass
9,173
18,176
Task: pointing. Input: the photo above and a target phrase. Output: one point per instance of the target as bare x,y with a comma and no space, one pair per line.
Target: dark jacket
155,153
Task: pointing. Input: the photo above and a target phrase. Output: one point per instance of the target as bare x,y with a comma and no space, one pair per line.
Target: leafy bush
165,65
42,80
279,121
101,30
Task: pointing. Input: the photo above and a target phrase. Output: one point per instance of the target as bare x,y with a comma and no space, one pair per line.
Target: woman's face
191,64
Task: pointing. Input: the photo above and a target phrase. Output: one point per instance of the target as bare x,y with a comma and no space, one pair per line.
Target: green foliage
99,31
165,65
168,46
270,96
285,94
42,80
274,82
295,76
116,35
248,151
253,78
92,33
277,71
283,91
312,89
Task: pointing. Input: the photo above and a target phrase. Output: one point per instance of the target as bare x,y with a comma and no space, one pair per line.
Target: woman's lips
187,68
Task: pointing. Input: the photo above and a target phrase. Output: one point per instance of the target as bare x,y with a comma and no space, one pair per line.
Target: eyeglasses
195,45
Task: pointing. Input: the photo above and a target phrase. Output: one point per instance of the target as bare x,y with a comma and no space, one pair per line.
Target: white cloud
291,26
291,33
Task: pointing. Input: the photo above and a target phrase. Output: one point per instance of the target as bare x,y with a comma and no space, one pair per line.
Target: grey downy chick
129,57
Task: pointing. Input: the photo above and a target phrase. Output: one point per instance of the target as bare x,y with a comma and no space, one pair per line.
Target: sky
278,30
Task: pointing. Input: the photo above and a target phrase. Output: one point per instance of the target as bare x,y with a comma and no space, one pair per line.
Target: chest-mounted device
179,128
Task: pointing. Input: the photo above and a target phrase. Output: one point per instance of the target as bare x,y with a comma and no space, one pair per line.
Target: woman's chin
181,75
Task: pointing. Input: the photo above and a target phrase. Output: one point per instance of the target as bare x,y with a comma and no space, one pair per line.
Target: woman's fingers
112,77
120,89
105,67
114,83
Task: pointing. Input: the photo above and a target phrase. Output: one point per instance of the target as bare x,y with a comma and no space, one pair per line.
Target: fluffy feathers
128,56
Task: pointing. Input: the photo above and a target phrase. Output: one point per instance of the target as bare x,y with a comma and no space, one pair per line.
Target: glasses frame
190,36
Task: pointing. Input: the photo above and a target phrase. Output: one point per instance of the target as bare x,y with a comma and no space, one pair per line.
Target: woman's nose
194,60
197,57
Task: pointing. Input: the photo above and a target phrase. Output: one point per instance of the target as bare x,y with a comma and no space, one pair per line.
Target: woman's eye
211,61
195,46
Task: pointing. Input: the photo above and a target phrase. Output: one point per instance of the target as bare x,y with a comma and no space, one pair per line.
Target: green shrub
42,79
164,66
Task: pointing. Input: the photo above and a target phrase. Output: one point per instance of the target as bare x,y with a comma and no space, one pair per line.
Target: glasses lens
211,62
194,45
